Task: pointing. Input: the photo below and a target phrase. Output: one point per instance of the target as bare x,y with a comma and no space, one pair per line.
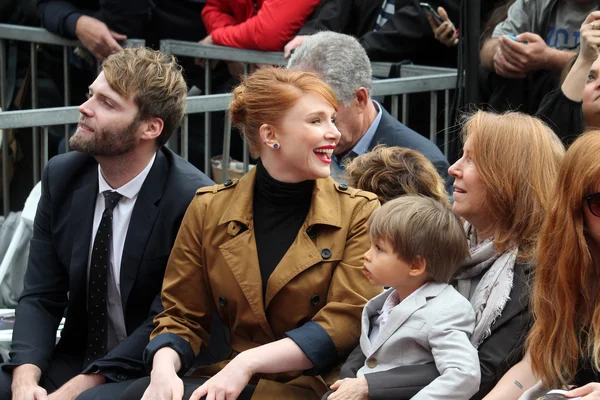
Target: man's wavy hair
154,81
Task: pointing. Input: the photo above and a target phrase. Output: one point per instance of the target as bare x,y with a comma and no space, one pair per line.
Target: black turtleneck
279,210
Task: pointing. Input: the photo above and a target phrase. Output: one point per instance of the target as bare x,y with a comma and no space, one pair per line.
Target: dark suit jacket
392,132
56,276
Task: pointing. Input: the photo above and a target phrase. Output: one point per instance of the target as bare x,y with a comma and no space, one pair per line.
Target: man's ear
417,266
267,135
362,99
152,128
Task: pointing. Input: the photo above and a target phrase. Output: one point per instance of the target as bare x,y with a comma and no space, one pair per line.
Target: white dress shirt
121,218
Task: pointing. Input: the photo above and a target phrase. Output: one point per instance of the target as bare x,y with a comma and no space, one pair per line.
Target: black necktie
97,284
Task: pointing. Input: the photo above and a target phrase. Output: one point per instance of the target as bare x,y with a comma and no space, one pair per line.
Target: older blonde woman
502,189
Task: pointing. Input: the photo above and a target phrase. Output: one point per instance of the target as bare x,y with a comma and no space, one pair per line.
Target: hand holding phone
443,29
430,10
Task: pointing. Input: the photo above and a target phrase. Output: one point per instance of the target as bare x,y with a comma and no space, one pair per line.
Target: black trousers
136,390
62,368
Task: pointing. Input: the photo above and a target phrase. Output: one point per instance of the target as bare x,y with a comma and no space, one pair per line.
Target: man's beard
108,142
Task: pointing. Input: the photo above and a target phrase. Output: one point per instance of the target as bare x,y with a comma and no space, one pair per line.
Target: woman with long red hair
563,347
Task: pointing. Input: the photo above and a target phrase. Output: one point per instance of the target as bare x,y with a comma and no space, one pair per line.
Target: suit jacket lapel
142,221
81,220
397,317
404,310
370,310
382,129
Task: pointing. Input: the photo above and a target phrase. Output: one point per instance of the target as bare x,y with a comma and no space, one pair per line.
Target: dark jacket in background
563,115
127,17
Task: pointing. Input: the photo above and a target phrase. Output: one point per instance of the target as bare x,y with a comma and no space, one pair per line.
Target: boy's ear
417,266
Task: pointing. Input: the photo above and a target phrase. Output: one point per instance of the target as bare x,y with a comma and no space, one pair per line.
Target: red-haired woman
563,347
278,253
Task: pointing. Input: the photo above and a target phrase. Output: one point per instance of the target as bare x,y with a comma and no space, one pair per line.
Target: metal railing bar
3,78
433,106
381,69
405,109
395,106
207,126
213,52
40,35
34,104
226,149
5,179
409,70
185,137
446,121
415,84
218,102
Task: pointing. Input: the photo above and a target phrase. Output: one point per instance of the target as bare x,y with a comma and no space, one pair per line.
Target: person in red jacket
265,25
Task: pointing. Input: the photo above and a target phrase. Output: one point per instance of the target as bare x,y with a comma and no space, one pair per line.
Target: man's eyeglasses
593,202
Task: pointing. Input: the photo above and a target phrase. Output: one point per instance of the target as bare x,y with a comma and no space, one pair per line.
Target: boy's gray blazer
433,324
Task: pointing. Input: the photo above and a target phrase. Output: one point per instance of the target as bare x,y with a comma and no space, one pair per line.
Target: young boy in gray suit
417,245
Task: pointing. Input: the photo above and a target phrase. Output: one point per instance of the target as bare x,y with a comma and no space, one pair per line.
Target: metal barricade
211,103
414,79
422,79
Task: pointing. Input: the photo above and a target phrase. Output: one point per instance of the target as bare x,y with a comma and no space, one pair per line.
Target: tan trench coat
214,262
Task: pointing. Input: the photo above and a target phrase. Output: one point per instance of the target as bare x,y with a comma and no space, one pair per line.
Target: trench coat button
223,301
311,232
228,183
343,186
315,299
371,363
326,254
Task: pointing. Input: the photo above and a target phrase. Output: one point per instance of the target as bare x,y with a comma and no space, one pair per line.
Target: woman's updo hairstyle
265,96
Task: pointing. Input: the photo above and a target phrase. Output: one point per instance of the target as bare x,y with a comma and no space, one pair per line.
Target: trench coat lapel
240,251
304,253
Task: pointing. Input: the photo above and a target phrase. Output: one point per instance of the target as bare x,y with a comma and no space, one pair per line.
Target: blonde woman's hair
566,290
517,158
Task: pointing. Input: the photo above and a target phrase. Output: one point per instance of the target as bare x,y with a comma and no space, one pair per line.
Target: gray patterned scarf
493,290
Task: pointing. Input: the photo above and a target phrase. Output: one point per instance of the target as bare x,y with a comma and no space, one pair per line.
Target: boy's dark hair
418,226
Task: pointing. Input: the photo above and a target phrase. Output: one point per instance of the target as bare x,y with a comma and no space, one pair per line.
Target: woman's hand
228,383
587,392
350,389
445,32
164,385
590,37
